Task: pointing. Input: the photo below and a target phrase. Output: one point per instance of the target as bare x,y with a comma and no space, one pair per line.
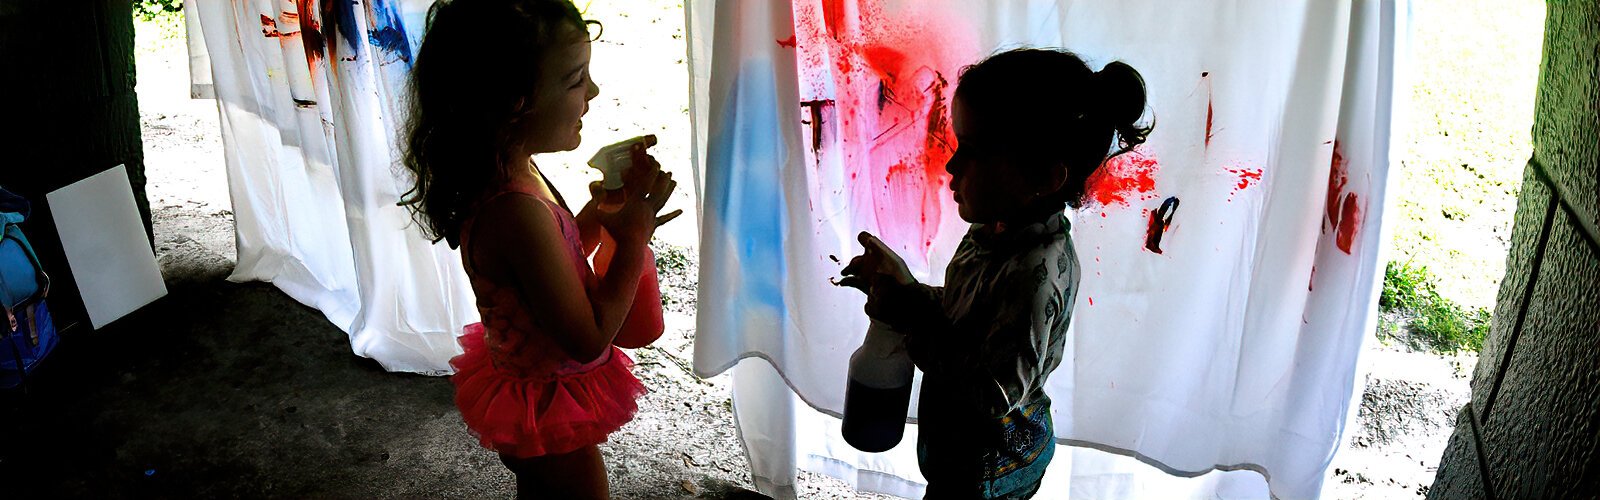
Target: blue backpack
28,334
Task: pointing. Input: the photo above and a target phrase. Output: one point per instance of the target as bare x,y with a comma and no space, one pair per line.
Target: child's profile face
986,185
564,90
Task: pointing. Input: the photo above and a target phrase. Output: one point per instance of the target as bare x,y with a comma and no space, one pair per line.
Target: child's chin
966,214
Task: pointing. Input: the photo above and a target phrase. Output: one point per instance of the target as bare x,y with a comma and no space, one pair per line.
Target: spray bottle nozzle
613,160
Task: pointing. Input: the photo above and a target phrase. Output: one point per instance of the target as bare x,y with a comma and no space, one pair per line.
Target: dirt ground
232,389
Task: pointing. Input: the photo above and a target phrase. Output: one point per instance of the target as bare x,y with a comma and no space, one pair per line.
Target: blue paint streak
388,31
342,13
745,191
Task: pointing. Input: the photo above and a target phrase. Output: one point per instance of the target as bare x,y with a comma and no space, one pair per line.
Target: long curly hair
476,74
1047,108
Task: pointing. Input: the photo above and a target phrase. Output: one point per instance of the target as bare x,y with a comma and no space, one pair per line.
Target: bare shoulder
510,224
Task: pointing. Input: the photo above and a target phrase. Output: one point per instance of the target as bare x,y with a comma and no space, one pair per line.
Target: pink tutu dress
518,391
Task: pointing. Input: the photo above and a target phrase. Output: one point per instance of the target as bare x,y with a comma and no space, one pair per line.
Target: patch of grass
1427,320
1400,287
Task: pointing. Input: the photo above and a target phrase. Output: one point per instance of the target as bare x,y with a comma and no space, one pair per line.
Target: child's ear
1056,177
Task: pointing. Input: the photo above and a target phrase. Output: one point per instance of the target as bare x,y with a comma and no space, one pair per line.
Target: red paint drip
789,42
1160,221
1209,115
1123,179
1344,217
311,32
1152,233
1091,301
833,16
1338,176
269,28
1349,222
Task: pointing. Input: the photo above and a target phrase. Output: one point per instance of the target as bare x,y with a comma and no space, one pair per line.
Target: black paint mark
1160,220
938,119
816,122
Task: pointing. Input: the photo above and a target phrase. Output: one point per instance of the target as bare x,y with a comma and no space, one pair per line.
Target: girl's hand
643,195
588,218
876,272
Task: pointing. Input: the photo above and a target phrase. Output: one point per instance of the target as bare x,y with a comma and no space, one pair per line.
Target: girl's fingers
661,201
856,265
662,190
856,282
644,166
668,217
872,243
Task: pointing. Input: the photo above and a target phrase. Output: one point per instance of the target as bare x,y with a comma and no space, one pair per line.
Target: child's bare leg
580,474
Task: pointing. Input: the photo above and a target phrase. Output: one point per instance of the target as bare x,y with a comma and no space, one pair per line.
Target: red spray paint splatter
887,75
1125,178
1343,216
1246,176
1091,301
789,42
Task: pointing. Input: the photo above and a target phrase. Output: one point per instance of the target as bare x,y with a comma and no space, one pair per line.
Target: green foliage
1446,327
1400,285
150,9
1436,323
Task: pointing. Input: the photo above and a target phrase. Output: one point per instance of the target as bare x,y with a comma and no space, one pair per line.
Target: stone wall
1532,428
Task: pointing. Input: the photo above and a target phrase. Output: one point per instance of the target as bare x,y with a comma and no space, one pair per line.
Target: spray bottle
879,393
613,163
644,323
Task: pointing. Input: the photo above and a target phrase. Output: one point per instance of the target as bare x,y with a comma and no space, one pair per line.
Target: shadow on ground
235,390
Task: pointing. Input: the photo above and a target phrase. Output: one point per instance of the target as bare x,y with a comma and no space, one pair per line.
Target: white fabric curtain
1230,344
311,94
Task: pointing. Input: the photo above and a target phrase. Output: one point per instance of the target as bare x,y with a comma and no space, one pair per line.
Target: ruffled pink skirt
524,416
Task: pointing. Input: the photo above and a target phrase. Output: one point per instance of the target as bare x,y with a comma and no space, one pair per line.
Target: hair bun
1122,101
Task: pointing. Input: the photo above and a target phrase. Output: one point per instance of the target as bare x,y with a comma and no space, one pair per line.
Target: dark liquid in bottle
875,419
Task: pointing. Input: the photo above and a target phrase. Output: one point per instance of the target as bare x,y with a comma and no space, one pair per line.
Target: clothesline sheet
1229,265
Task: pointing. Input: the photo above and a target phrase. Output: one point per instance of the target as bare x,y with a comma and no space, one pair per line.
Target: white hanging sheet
1232,348
311,94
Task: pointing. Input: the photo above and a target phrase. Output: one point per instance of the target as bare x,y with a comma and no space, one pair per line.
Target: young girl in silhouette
541,380
1031,126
